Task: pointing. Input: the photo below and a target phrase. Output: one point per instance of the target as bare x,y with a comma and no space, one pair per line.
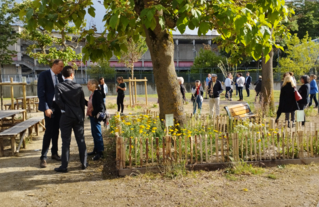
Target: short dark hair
55,62
240,74
100,79
120,78
67,71
305,78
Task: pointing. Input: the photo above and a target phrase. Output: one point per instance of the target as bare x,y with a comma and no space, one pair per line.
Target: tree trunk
161,47
268,83
132,85
1,91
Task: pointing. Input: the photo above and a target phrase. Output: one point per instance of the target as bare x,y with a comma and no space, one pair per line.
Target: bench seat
240,111
20,129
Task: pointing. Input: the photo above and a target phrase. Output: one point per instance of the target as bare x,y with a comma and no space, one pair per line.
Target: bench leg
37,129
1,148
30,132
22,140
13,145
12,119
43,122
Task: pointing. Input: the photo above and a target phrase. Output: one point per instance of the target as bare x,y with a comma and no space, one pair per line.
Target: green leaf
181,28
124,22
29,13
114,20
150,14
153,24
136,38
191,26
180,1
257,52
123,47
240,21
22,13
267,57
204,27
78,22
184,8
91,11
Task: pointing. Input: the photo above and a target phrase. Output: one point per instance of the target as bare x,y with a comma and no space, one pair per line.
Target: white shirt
54,80
240,81
105,89
227,82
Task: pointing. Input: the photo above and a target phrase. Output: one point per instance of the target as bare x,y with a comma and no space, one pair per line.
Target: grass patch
111,106
243,168
272,176
231,177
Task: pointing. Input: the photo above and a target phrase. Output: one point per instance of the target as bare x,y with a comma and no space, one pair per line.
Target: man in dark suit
46,83
248,81
70,98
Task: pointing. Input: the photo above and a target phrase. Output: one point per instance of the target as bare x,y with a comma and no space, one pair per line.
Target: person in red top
197,96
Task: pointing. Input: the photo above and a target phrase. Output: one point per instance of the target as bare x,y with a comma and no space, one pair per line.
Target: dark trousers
229,92
96,131
240,91
67,124
51,132
302,107
236,90
247,90
120,103
292,116
314,97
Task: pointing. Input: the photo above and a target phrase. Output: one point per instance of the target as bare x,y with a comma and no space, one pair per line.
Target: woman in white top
228,86
240,82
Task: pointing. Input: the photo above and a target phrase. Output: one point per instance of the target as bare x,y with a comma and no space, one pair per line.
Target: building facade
185,50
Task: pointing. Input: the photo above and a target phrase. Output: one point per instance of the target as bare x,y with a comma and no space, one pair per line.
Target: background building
186,49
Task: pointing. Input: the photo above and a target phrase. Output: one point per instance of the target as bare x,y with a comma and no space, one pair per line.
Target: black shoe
98,156
61,170
91,153
85,166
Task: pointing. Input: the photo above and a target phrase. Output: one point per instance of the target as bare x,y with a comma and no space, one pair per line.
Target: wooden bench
239,111
20,129
8,106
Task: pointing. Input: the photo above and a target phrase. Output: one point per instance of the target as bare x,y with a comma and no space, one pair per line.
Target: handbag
298,97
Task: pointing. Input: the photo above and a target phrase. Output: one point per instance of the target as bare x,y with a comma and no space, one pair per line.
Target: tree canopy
249,22
101,69
206,59
302,55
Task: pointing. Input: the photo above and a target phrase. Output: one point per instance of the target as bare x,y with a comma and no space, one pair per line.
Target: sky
99,14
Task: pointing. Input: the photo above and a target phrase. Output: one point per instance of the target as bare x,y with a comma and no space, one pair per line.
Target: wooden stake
191,153
146,159
278,145
222,148
255,145
130,90
141,152
186,146
283,145
164,154
251,145
206,149
293,145
130,153
307,142
211,148
136,151
263,147
196,149
175,148
135,90
259,146
216,147
246,139
180,149
227,135
157,150
152,154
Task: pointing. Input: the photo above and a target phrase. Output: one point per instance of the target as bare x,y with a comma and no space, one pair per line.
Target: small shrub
154,106
272,176
111,106
243,168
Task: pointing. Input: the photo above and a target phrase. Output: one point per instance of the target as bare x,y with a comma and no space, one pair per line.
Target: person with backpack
258,88
103,88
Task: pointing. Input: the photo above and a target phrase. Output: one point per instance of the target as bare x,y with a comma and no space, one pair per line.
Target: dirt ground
23,183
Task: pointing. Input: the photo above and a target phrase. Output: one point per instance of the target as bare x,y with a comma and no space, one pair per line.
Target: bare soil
23,183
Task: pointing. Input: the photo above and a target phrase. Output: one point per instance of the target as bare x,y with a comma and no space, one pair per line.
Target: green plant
242,168
111,106
154,106
174,170
272,176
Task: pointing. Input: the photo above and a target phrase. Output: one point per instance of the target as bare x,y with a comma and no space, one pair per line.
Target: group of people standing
287,101
63,103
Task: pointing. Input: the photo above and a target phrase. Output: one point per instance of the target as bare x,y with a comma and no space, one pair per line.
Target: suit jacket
70,98
217,89
97,102
46,90
248,81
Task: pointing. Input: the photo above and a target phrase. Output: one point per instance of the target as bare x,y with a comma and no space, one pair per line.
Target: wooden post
163,145
152,154
24,104
201,148
122,152
130,90
135,90
206,148
216,147
211,148
145,90
196,148
278,145
283,144
246,139
191,145
255,146
141,152
146,159
13,145
136,143
293,145
180,149
300,144
130,153
251,145
12,95
1,147
222,148
186,156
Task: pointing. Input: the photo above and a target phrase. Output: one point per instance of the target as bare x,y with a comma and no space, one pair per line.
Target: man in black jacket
214,89
248,81
70,99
